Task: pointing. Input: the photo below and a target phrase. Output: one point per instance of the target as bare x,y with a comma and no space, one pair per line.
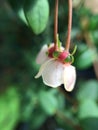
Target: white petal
69,77
42,68
42,57
53,74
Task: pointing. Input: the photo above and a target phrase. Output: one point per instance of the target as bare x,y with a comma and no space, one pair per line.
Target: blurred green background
26,103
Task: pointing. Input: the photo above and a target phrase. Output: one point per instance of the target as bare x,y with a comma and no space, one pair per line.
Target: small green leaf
93,22
37,12
56,54
37,119
21,15
48,102
68,59
89,124
88,90
85,59
28,106
88,108
58,42
94,36
17,6
9,109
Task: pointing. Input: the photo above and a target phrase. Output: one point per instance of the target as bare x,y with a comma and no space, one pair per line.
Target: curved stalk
67,43
56,23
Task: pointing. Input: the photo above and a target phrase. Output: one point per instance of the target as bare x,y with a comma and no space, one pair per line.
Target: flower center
51,50
62,56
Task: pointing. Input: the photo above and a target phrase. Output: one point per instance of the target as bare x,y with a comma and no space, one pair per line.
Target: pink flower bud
63,55
50,51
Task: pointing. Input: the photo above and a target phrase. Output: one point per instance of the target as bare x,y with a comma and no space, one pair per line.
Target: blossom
56,68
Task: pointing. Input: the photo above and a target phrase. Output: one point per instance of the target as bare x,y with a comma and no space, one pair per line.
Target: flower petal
42,57
69,77
53,74
42,68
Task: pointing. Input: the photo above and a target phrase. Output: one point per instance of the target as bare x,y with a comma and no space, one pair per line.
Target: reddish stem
56,23
67,43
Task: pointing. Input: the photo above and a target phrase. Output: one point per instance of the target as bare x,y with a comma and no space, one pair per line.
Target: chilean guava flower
56,68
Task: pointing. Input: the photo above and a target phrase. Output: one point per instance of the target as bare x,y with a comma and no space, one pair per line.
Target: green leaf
59,97
85,58
17,6
48,102
93,22
9,109
87,108
56,54
88,90
28,105
37,119
22,15
37,12
89,124
94,36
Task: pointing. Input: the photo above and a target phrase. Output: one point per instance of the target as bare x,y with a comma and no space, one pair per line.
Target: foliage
9,109
23,99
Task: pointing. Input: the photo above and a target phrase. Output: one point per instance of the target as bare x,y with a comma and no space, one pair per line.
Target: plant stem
56,23
67,43
68,121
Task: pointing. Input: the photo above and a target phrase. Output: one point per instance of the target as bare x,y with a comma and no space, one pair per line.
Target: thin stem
56,22
68,120
67,43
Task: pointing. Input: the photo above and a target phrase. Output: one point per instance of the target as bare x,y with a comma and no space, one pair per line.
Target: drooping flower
56,68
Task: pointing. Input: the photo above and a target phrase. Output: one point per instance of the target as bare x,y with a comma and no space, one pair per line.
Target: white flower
42,57
54,73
